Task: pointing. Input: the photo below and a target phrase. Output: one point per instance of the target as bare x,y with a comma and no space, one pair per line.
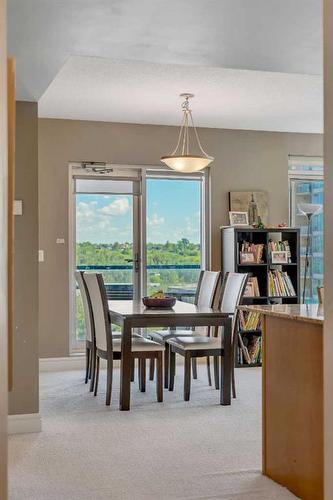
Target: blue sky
173,212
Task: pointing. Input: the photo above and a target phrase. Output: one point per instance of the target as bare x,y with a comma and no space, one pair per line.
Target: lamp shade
309,209
187,163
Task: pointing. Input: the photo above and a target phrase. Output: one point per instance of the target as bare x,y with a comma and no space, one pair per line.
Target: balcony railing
177,279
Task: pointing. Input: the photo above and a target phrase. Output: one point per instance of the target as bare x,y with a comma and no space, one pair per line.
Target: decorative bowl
154,303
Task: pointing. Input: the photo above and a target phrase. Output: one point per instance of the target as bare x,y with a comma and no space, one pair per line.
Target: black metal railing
119,289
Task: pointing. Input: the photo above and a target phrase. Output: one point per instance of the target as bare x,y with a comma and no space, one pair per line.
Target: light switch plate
60,241
18,207
40,255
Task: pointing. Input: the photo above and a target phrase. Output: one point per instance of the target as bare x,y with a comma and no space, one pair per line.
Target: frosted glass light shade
187,163
309,209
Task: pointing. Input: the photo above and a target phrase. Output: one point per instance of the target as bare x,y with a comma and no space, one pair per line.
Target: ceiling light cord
184,135
197,138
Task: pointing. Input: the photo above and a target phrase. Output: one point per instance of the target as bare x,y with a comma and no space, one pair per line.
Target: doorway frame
144,172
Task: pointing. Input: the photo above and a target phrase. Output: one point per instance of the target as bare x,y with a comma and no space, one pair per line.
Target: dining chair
90,334
109,347
90,331
205,295
232,291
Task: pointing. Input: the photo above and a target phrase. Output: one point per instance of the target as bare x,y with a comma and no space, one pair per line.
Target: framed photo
279,257
246,257
238,219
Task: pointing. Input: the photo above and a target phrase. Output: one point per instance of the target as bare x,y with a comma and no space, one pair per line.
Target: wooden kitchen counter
293,396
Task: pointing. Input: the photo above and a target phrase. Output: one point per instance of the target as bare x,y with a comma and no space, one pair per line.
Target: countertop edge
283,315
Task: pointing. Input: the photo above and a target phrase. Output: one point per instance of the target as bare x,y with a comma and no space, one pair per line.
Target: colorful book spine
280,284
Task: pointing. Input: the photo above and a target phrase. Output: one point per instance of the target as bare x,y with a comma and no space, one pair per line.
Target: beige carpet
170,450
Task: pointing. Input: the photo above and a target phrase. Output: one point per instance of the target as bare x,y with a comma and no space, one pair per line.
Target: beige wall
3,253
328,325
244,160
24,396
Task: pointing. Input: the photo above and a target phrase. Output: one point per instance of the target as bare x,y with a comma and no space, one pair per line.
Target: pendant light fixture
181,158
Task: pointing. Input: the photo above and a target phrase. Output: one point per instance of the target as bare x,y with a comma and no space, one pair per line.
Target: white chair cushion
138,344
191,343
118,335
164,335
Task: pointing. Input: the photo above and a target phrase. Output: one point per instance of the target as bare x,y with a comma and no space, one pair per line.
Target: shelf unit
231,241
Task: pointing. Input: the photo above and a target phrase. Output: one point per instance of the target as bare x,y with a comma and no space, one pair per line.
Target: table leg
125,366
225,387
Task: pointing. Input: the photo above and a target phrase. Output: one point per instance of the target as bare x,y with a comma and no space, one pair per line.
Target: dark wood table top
132,309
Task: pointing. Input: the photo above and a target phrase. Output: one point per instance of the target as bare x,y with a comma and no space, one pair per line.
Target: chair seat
118,335
165,335
138,344
192,343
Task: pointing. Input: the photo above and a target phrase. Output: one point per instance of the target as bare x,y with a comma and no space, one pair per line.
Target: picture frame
255,203
279,257
238,219
246,258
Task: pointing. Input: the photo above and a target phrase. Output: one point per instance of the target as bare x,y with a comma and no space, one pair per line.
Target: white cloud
155,220
85,209
117,207
101,224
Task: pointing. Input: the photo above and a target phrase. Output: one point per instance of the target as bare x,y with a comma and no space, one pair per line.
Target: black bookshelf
231,242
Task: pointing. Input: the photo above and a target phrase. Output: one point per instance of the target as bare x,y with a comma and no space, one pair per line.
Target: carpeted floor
170,450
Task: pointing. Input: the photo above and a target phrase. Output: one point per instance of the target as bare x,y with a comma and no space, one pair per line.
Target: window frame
205,210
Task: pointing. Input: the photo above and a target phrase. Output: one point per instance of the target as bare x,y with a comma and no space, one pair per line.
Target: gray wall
24,396
245,160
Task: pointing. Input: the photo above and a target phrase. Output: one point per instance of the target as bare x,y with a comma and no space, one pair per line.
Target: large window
174,234
307,187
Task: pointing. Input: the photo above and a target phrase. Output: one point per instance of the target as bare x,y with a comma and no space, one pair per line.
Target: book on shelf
252,287
249,349
280,284
249,320
280,246
257,250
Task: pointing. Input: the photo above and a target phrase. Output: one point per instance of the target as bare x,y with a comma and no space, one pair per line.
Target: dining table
130,314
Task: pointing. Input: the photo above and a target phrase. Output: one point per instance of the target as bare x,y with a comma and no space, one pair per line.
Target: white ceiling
283,36
135,92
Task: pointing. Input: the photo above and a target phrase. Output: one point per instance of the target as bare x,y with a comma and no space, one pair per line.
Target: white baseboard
78,362
21,424
75,362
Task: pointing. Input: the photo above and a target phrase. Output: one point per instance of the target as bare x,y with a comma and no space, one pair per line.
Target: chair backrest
231,293
87,309
233,288
207,288
99,302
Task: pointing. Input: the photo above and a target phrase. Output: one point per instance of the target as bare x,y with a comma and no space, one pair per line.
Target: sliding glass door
144,233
